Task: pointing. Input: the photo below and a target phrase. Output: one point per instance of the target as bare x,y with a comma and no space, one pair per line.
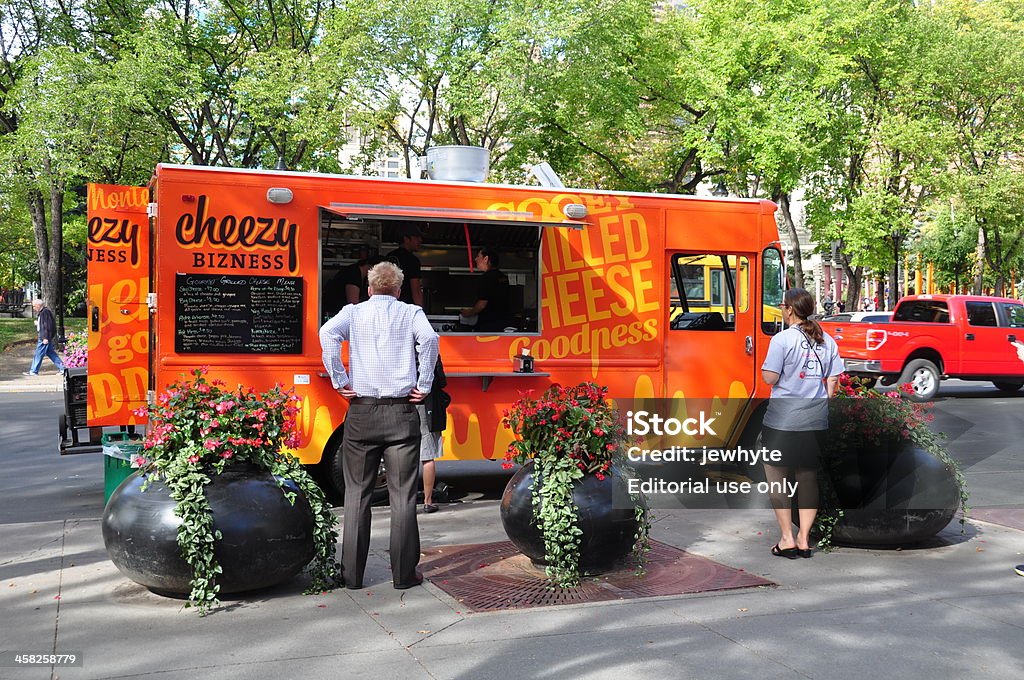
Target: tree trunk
786,217
854,276
48,232
979,262
894,273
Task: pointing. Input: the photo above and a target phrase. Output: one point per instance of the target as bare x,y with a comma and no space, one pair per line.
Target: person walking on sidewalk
392,352
47,327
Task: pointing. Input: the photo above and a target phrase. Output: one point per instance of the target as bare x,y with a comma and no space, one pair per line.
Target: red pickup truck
933,337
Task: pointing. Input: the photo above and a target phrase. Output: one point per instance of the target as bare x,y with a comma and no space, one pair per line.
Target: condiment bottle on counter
522,362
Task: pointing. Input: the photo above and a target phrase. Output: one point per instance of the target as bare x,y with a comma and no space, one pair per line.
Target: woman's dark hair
802,304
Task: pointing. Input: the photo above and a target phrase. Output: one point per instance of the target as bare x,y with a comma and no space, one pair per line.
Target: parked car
934,337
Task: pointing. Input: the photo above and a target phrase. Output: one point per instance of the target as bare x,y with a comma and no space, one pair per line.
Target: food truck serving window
451,278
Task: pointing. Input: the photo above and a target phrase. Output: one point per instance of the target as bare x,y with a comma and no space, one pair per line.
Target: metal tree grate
495,576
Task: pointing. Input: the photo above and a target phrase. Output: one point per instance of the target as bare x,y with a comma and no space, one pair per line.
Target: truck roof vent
458,163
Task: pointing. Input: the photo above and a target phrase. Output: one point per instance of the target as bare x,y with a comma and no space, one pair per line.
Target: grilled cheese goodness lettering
232,233
598,290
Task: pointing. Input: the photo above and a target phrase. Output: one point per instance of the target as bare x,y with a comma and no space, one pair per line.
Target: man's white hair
385,277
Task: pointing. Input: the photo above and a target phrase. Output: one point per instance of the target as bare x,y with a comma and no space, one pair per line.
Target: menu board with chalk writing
231,314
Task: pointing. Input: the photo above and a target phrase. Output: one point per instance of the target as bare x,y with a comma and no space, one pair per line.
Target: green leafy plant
196,429
568,432
860,419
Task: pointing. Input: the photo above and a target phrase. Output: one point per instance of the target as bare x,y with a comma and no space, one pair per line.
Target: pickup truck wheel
336,477
1008,386
923,376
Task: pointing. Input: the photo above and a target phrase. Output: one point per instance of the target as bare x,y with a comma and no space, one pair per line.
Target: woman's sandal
788,553
804,552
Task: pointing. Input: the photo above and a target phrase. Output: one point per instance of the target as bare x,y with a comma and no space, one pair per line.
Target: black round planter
265,539
608,532
893,496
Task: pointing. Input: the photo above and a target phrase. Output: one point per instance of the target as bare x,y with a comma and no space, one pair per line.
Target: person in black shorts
803,367
433,421
410,239
492,307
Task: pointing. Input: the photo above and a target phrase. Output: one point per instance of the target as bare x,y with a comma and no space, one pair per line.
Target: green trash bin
118,450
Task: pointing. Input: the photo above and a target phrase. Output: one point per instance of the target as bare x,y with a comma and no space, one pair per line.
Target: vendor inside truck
491,309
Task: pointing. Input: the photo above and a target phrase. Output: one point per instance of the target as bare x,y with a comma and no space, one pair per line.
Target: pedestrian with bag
803,367
392,352
433,421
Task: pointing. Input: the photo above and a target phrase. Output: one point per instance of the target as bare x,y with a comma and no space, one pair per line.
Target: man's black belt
379,401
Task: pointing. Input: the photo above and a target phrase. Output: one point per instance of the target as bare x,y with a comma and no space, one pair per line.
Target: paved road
985,430
951,609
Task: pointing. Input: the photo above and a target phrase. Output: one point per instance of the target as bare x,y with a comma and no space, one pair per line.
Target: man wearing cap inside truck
410,240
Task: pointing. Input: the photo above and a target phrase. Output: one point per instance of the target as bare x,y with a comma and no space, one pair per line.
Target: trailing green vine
568,433
558,518
196,429
642,538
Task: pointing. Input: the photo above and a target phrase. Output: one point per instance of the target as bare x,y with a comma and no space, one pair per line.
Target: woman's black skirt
800,449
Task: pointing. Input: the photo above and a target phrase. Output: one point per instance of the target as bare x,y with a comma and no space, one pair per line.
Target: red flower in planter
574,422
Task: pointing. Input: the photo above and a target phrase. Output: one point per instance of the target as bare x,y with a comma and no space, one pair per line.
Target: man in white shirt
392,352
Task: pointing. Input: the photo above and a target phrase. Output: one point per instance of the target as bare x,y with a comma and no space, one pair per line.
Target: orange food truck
655,296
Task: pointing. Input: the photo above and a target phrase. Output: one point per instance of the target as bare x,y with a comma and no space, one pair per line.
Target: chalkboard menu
230,314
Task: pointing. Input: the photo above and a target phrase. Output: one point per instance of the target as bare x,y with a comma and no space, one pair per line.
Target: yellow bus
714,283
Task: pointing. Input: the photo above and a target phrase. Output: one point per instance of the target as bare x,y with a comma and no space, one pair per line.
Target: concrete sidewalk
951,609
18,359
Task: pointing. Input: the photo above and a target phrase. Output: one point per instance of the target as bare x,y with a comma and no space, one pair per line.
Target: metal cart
72,421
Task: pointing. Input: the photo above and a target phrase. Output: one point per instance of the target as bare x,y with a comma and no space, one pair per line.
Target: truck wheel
336,478
923,376
1008,386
